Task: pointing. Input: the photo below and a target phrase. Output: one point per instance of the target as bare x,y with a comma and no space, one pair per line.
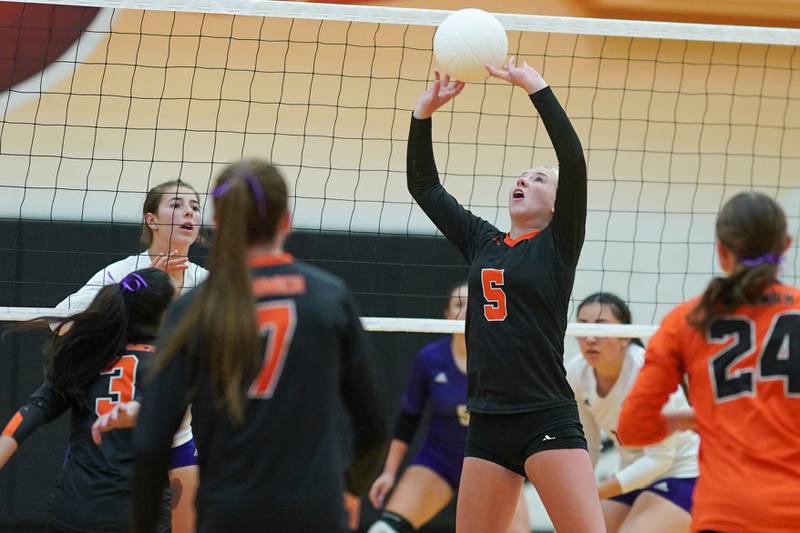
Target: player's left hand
352,504
523,76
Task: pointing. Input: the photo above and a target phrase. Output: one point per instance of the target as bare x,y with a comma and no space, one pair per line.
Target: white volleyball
467,40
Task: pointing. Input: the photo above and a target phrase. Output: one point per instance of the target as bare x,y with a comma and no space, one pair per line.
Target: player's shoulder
789,294
200,273
678,316
144,350
635,354
576,365
320,278
142,346
125,266
634,361
179,304
577,371
435,352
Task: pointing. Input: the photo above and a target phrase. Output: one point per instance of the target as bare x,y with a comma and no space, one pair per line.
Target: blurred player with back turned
739,344
95,364
266,350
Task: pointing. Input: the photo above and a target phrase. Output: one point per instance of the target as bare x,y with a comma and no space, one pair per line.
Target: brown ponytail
250,198
753,226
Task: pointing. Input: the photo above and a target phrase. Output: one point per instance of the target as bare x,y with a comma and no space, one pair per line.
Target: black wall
42,262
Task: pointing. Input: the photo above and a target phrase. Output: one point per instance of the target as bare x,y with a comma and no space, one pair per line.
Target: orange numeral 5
492,281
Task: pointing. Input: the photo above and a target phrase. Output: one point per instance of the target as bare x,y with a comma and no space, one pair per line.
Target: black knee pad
391,523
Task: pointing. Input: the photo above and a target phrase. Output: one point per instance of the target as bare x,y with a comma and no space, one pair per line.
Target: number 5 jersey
519,289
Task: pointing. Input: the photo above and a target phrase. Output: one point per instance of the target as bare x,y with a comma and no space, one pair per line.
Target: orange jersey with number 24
744,385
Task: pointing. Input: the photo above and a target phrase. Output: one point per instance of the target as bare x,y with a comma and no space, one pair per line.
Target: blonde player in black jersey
98,364
269,350
523,417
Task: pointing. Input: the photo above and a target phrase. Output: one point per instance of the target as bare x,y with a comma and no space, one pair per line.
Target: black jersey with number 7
283,468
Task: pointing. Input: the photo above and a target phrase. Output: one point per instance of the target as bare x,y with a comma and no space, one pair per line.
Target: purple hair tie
771,259
255,186
133,282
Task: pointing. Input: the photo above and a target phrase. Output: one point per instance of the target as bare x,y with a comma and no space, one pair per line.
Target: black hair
618,307
87,343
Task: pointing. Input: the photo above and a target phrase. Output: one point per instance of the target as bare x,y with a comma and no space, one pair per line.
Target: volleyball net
101,101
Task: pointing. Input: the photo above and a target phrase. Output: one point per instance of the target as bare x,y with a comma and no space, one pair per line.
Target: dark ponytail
618,307
753,226
250,198
87,343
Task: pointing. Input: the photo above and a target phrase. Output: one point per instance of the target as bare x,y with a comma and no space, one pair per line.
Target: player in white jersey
171,220
652,490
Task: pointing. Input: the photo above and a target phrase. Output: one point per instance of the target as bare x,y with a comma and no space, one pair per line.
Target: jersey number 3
779,358
121,385
277,320
492,281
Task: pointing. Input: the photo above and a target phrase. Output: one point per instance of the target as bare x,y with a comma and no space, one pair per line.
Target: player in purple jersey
95,364
438,379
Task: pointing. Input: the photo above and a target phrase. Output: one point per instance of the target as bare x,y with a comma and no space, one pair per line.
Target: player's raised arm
569,217
456,223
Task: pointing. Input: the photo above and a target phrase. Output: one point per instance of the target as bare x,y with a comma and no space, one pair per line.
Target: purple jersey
436,379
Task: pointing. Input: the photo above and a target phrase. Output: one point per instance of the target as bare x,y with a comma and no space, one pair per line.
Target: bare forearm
397,451
7,448
609,488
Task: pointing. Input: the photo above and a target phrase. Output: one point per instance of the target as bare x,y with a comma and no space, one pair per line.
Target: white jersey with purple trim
675,456
194,276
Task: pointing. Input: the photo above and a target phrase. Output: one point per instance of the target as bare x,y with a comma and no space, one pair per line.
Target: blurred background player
439,379
171,221
523,418
739,343
97,364
652,490
266,350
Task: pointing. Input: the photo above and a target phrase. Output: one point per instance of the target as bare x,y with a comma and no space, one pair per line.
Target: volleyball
467,40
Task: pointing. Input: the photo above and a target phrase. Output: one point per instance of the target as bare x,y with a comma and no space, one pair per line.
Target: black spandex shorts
509,439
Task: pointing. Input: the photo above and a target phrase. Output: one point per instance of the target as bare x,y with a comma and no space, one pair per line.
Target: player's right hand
380,488
123,415
435,96
170,263
523,76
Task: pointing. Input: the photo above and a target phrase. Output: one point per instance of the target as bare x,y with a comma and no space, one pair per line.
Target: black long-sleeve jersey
283,468
93,492
519,289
